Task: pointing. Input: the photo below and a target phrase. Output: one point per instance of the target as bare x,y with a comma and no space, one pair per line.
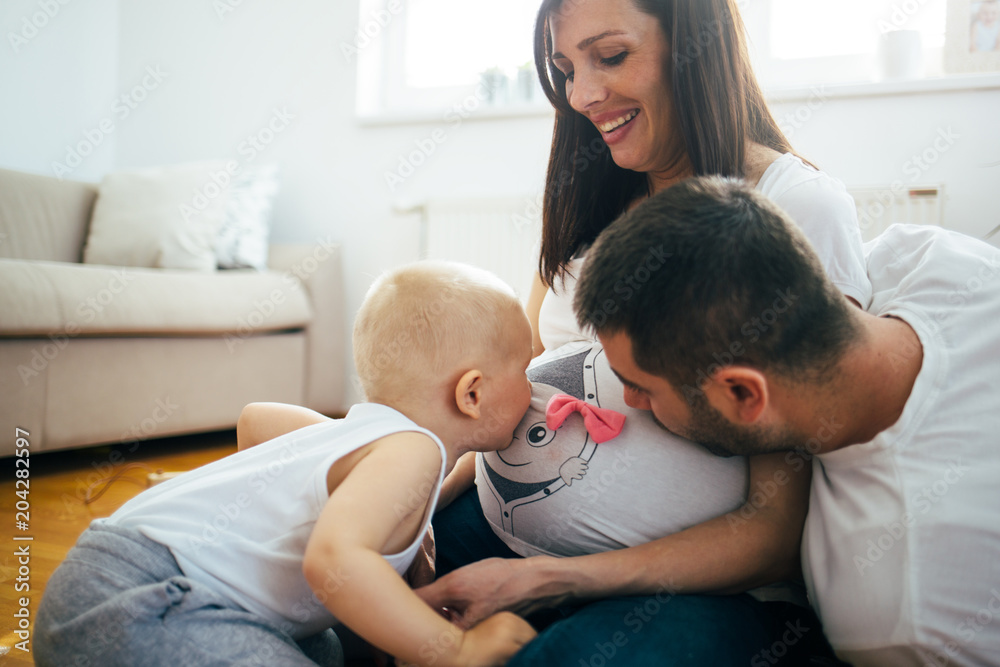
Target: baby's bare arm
260,422
344,560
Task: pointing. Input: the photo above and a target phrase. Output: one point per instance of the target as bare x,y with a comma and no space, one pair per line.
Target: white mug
901,55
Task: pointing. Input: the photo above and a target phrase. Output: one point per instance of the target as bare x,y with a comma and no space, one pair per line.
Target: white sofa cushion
164,217
242,239
61,299
42,217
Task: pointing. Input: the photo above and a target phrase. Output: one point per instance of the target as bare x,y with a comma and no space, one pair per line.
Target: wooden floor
58,514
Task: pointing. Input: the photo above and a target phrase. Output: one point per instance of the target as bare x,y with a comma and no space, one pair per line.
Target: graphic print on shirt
541,461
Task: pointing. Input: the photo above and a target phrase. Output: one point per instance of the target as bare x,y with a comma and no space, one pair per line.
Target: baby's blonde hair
423,321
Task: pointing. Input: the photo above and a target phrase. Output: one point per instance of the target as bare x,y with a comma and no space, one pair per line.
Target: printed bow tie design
602,424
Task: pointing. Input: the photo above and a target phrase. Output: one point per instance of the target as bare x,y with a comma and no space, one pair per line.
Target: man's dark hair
710,273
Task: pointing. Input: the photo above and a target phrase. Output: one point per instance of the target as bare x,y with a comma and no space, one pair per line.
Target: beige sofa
97,354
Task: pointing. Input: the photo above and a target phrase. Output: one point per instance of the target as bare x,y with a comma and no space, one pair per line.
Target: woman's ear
740,393
468,393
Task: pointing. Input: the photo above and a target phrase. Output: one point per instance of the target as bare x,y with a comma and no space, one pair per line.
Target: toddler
251,559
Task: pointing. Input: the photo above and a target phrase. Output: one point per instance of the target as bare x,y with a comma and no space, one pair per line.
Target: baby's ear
468,393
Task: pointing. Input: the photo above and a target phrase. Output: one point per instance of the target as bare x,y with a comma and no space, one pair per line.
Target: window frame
384,98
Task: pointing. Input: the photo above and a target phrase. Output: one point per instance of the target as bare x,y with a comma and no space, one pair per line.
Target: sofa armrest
318,268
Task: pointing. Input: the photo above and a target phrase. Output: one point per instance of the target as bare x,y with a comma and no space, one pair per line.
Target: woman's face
613,56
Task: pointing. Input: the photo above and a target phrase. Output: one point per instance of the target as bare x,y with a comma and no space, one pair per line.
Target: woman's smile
614,131
613,57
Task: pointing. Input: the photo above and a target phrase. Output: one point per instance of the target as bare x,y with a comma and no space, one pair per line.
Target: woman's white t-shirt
817,202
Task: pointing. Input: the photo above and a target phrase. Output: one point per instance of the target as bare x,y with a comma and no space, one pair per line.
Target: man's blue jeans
635,631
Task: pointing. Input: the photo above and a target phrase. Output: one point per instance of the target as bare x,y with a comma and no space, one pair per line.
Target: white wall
59,85
224,76
946,138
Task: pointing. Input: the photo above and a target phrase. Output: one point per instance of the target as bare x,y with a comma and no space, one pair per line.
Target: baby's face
989,13
537,450
511,403
508,393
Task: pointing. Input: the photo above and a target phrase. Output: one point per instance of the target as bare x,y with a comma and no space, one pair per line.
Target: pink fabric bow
602,424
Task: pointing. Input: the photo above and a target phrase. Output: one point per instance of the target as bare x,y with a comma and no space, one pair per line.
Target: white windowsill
449,116
951,83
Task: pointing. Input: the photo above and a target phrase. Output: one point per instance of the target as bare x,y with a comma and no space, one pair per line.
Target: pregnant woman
647,93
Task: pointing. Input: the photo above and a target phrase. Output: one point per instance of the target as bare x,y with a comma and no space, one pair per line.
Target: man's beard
714,432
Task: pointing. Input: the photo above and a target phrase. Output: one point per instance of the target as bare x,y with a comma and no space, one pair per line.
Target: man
741,343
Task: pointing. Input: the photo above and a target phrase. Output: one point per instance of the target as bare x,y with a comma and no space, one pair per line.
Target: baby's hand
495,641
574,468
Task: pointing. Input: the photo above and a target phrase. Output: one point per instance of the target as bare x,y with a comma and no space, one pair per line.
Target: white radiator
879,207
501,235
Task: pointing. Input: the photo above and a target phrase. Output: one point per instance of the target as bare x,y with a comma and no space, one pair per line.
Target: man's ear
740,393
468,393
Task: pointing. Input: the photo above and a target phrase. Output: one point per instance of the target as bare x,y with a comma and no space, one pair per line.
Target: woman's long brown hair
719,107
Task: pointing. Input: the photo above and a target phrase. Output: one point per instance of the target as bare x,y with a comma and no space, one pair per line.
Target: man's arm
344,560
260,422
754,545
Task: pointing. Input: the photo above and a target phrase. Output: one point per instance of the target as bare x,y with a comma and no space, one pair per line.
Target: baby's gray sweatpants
120,598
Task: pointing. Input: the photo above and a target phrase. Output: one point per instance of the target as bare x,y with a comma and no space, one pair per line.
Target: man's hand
482,589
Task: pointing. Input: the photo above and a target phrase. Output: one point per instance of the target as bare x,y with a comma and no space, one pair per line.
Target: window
811,29
436,53
451,42
428,56
809,42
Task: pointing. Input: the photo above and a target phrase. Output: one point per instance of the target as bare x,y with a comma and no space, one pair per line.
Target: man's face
690,416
